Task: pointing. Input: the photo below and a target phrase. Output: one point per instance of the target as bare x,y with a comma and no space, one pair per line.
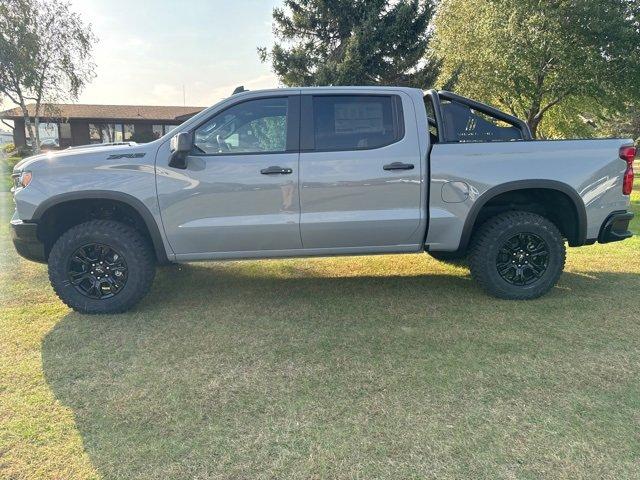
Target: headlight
21,179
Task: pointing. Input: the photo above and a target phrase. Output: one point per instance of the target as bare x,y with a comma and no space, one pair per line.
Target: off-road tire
136,251
491,237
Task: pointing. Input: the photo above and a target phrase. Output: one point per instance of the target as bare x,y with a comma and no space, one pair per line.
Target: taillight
628,154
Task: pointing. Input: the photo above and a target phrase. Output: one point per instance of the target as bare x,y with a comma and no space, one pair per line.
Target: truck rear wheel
101,266
517,255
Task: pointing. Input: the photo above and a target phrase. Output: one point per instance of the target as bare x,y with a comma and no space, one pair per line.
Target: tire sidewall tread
492,235
132,246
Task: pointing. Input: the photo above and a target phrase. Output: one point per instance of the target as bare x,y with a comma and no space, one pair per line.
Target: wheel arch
576,238
130,201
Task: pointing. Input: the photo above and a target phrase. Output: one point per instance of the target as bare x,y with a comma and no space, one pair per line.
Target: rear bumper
615,227
25,238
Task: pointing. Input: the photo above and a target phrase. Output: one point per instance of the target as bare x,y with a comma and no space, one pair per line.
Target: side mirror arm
178,160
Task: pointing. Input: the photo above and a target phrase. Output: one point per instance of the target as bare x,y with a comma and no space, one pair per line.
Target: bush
11,161
6,169
11,149
8,148
23,151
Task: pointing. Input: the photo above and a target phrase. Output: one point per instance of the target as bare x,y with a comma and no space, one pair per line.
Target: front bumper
615,227
25,239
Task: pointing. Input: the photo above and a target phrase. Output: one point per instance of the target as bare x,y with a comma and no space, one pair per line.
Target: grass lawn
6,168
367,367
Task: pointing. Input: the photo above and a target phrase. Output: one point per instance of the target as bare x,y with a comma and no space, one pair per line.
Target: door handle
276,170
398,166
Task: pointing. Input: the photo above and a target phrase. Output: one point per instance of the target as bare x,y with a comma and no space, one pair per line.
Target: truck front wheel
101,266
517,255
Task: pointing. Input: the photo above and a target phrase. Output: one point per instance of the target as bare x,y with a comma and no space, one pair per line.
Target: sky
148,50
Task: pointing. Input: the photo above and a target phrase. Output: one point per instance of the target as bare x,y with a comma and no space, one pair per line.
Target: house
5,137
63,125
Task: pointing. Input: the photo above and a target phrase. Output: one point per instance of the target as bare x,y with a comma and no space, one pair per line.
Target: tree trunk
29,126
533,124
37,129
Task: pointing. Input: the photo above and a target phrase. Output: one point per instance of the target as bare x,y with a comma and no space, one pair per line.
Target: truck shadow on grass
237,371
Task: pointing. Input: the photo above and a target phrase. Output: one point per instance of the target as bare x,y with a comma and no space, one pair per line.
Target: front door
360,172
239,192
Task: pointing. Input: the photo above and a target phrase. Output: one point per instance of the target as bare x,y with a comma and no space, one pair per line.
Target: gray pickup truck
322,171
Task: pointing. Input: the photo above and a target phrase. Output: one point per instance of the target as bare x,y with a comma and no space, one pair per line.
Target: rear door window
356,122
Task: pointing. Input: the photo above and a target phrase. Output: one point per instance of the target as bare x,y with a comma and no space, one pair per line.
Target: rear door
360,171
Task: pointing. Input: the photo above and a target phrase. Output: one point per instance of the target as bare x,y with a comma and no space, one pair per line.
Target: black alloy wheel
523,259
517,255
101,266
97,271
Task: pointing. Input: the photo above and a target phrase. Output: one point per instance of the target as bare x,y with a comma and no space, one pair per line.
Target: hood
54,156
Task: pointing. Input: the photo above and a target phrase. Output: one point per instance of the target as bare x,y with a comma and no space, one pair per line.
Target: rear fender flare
493,192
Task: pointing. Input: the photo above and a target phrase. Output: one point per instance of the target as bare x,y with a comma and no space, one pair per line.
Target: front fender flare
130,200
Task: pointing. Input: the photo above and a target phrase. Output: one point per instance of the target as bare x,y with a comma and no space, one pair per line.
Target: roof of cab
329,89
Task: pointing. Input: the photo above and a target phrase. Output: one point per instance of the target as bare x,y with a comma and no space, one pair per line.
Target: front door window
256,126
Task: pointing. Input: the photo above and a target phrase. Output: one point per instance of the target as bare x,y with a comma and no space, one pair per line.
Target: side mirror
180,147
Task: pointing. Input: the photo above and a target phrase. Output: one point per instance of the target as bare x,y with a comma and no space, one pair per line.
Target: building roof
106,112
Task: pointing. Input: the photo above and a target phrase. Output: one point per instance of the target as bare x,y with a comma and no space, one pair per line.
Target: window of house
48,132
108,132
128,132
111,132
94,133
117,133
355,122
464,124
255,126
64,129
158,131
168,128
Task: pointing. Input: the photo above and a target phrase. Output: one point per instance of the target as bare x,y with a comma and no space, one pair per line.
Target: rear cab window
453,118
462,124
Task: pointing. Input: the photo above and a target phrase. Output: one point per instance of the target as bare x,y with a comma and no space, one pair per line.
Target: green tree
623,123
45,55
352,42
551,60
